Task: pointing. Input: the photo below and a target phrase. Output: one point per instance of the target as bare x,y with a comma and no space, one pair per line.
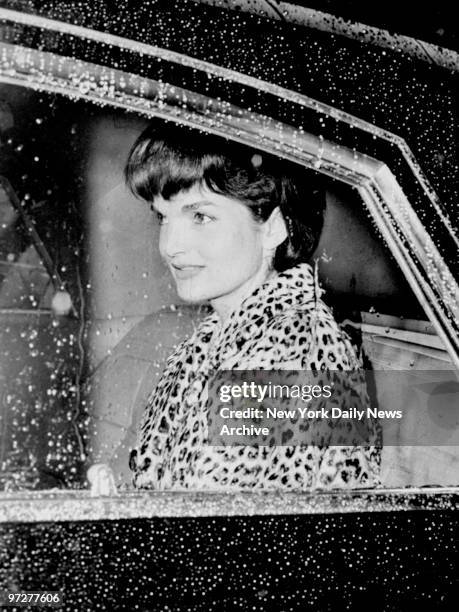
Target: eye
161,218
201,218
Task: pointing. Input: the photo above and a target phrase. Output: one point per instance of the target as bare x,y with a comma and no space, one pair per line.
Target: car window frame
404,234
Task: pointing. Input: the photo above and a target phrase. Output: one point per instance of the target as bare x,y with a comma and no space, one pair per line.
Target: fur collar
294,289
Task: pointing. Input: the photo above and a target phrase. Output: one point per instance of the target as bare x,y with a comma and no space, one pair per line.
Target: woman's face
212,245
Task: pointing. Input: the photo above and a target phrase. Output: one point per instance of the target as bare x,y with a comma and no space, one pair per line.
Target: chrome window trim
64,506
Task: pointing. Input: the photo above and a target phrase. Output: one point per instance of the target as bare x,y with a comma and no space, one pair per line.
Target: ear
275,230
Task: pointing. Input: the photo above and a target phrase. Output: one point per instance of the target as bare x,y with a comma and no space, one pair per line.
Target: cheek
247,242
234,244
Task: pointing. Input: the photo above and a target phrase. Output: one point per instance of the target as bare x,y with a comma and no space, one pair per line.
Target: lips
185,271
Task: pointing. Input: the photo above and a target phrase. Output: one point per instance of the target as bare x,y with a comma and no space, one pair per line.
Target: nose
172,239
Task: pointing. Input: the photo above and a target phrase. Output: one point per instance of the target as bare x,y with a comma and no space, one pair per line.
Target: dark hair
168,159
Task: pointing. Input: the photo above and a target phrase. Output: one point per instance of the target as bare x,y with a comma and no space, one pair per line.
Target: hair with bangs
167,159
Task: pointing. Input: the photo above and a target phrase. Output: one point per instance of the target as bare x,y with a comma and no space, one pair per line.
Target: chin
191,297
192,300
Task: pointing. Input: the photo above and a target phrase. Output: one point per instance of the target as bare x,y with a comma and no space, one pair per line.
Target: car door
371,113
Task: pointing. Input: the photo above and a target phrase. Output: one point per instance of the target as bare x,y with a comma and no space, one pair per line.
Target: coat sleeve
351,455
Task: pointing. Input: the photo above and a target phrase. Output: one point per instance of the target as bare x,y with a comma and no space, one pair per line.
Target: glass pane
92,313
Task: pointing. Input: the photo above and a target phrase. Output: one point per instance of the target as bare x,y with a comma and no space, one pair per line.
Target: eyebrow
187,207
195,205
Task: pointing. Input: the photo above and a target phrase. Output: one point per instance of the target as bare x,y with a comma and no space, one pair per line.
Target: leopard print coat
283,325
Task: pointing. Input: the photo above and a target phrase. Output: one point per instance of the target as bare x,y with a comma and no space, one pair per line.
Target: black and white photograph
229,306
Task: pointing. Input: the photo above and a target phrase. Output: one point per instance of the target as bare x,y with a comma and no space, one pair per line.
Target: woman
237,228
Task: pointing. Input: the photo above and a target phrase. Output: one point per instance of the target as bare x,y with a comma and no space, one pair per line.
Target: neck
227,304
